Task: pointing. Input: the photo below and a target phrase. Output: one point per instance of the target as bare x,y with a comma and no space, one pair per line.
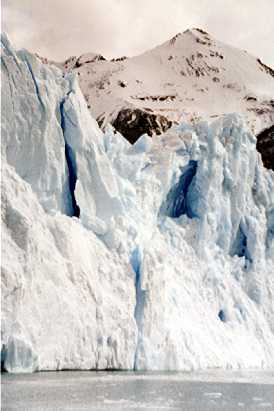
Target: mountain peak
200,35
192,76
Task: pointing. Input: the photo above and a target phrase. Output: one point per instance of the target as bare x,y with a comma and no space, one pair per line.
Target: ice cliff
154,256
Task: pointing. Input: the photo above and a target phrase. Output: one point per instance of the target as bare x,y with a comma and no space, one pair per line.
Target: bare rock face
88,58
265,145
132,123
266,68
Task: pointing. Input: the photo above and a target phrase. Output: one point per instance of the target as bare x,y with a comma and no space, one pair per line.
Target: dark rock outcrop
132,123
266,68
85,59
265,145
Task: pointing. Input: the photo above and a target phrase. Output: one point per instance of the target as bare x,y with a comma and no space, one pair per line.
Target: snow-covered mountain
157,255
191,77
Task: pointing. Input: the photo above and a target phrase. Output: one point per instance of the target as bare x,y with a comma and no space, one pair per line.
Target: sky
58,29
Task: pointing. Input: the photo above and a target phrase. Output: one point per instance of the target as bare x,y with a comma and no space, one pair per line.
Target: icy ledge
154,256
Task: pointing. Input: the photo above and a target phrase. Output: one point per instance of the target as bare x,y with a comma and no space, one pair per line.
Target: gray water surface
115,391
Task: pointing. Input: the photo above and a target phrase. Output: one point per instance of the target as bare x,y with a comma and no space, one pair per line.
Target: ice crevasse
156,256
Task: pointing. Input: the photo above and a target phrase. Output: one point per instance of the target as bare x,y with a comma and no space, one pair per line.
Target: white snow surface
170,265
191,77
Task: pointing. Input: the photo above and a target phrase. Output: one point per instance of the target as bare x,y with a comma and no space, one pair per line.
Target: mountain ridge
190,77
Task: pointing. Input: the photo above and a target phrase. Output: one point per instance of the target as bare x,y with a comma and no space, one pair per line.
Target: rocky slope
157,255
265,145
191,77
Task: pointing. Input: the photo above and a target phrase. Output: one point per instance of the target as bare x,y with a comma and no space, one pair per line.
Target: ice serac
156,256
208,277
68,302
30,126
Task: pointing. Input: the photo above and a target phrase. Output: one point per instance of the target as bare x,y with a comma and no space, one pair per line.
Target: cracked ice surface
170,264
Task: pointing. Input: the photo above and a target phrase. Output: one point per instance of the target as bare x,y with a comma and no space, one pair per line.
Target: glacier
152,256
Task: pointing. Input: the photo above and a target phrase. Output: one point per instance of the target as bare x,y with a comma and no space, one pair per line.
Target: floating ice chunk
213,394
19,356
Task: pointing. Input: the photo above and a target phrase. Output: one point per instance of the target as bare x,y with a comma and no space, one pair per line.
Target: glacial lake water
121,391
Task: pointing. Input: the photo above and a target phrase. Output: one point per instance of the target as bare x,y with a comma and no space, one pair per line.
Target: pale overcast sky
60,28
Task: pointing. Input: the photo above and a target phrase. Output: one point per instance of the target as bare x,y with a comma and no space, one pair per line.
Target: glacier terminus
157,255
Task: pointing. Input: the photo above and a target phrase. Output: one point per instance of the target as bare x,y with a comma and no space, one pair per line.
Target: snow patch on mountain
157,255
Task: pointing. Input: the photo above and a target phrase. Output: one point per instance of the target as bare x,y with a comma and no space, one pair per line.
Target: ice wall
156,256
67,301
